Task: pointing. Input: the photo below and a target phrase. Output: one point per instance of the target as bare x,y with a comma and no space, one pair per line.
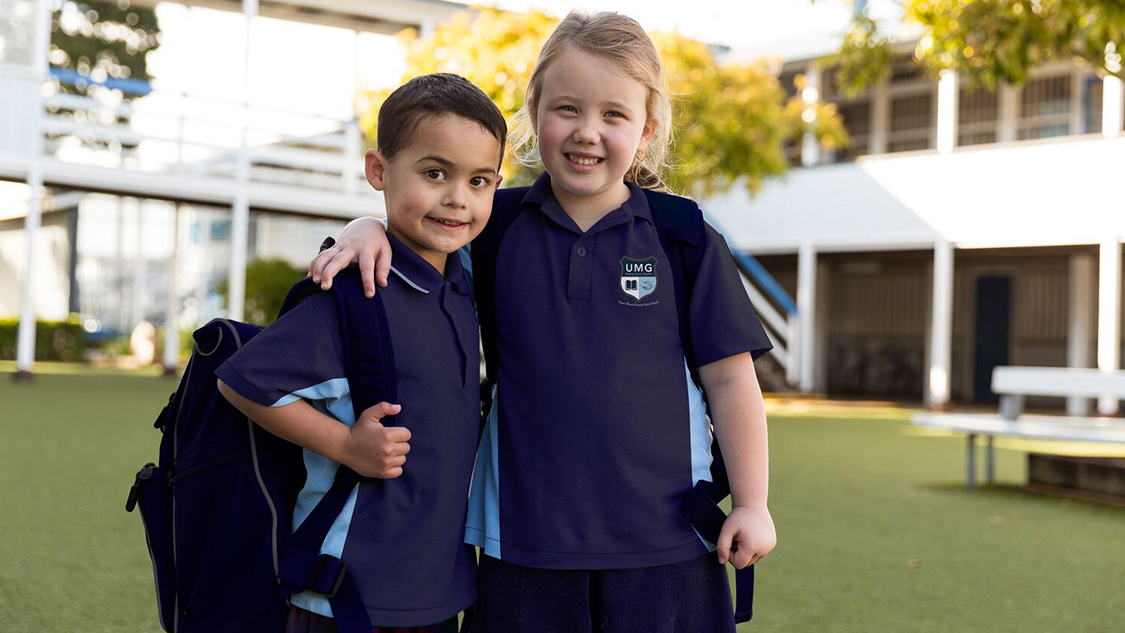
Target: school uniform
598,431
401,538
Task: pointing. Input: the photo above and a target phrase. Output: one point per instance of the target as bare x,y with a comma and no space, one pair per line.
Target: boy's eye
435,174
480,181
614,113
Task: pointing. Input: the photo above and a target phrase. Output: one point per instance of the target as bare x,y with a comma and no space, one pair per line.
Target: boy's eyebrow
445,162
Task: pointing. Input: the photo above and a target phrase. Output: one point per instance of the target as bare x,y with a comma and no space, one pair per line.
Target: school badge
638,277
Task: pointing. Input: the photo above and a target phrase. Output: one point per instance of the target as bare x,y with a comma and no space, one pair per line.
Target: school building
961,230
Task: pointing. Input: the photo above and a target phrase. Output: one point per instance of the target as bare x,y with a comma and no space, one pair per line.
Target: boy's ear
375,166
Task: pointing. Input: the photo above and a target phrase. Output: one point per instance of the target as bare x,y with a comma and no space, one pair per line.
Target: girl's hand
363,241
751,529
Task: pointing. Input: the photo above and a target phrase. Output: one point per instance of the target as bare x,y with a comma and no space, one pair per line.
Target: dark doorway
994,295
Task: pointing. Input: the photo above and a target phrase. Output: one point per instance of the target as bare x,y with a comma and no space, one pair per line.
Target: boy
440,142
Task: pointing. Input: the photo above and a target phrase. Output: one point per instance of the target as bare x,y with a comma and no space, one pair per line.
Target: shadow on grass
1014,492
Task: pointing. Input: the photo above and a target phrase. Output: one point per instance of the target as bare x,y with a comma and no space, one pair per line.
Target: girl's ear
375,166
646,135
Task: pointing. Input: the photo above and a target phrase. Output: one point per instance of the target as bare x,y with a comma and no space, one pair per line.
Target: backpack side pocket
154,497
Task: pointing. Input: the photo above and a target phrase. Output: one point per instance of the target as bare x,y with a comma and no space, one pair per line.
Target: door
993,319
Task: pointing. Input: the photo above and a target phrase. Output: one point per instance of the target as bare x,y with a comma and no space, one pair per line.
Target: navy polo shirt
598,431
401,538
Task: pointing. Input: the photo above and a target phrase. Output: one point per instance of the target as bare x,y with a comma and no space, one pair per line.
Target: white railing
174,133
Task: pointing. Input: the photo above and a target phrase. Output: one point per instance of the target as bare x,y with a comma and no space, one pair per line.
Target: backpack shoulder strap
506,207
369,366
679,223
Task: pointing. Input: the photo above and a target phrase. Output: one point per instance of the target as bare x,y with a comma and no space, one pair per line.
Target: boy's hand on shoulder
374,450
751,529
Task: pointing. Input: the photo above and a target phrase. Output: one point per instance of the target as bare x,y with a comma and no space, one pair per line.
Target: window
1093,101
912,121
977,113
1045,107
857,121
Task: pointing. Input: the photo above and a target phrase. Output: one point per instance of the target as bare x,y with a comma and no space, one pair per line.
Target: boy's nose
455,196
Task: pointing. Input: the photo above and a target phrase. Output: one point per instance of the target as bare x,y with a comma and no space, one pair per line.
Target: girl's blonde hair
620,40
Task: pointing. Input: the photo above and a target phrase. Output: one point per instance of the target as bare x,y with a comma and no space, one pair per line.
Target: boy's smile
439,187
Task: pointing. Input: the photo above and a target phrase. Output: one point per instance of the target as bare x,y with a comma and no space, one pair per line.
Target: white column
25,344
947,112
820,338
1109,315
172,306
806,307
810,148
1079,315
880,120
240,210
353,152
1113,95
1007,101
136,295
941,323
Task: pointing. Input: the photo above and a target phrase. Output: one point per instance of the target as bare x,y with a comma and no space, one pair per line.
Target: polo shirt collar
541,196
419,274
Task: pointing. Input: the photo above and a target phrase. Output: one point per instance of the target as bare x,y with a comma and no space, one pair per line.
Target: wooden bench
1014,384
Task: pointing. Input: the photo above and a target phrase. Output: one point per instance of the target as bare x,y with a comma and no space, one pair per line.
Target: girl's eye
480,181
614,113
567,108
435,174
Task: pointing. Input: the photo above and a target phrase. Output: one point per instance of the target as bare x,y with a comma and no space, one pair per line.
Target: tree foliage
104,39
730,121
268,281
989,41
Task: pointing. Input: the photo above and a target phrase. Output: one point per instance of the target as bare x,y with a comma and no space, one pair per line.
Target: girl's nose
586,132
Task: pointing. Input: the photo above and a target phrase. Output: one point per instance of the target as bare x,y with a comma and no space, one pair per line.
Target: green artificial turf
876,531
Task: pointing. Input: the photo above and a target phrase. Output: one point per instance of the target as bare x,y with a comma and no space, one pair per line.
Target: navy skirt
302,621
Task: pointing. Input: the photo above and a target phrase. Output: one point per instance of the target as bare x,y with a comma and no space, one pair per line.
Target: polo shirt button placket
581,270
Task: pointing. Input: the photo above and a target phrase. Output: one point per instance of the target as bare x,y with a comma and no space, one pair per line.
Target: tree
730,121
104,39
990,41
268,281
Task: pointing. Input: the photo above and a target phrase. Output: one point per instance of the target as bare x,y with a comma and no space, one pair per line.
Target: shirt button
581,251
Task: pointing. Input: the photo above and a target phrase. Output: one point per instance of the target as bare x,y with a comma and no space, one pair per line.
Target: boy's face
438,189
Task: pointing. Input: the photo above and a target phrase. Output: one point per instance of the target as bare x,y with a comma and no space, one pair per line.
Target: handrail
753,269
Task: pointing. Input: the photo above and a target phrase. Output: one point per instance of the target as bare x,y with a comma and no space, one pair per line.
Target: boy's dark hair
434,95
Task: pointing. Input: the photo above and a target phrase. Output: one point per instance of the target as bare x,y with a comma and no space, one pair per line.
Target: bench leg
971,476
991,462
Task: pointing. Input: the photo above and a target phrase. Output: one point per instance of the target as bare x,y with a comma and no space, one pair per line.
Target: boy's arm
369,448
739,417
363,240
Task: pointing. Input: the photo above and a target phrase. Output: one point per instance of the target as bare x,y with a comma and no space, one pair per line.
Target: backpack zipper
172,479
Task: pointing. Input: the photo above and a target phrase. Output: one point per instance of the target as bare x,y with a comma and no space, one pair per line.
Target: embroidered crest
638,277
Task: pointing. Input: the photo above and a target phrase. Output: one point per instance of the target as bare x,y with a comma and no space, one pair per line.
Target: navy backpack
217,511
679,223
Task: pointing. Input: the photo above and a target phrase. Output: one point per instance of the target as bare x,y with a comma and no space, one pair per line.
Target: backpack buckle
316,584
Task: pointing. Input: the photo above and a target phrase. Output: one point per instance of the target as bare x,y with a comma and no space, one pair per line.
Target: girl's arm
369,448
739,416
363,241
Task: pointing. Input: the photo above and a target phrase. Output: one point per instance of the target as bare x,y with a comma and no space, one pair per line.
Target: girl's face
592,122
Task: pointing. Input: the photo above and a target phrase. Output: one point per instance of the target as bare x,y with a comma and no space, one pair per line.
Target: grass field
876,532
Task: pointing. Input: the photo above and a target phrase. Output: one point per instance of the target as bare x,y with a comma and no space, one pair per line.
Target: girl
597,430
